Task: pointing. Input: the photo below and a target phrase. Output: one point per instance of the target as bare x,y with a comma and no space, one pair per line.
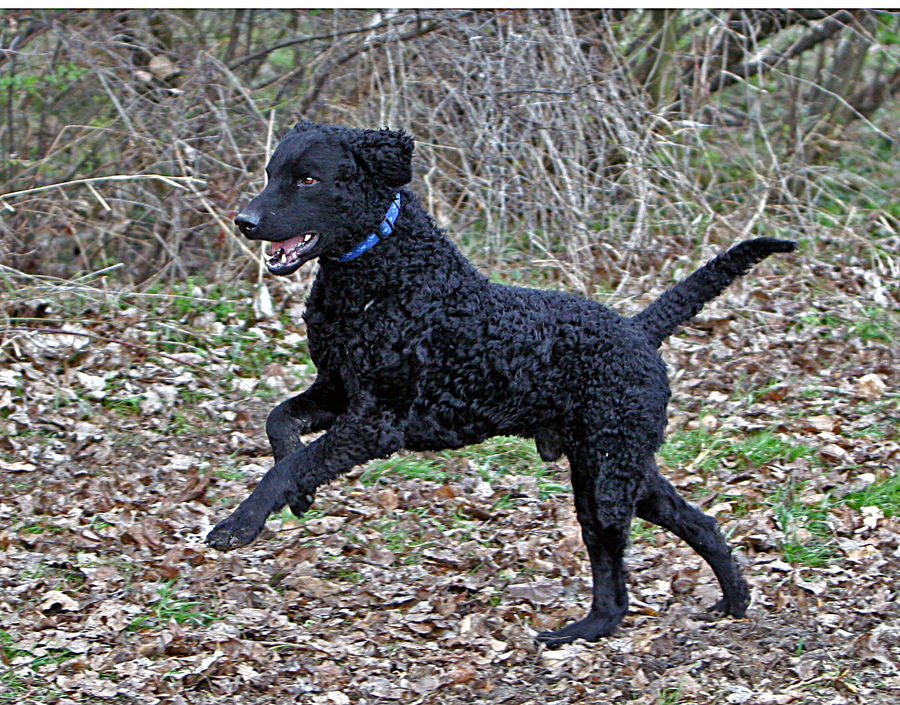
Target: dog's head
328,188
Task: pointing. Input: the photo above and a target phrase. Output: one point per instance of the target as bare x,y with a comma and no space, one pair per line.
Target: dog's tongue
286,245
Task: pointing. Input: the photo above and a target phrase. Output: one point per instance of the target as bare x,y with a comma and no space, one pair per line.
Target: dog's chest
371,341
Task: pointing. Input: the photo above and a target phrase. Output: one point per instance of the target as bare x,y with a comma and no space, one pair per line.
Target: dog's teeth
283,257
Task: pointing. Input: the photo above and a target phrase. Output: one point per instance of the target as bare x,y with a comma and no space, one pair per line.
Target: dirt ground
424,579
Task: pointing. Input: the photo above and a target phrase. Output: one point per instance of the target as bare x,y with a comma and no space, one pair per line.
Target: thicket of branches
573,140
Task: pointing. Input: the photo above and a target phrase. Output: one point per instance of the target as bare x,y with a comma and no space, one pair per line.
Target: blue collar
385,229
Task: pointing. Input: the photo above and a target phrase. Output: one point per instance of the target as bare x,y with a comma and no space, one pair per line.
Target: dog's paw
725,607
300,504
591,628
232,533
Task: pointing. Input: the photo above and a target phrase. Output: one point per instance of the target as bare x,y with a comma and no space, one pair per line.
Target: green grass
887,407
873,323
181,425
231,470
885,495
41,527
500,455
795,518
510,455
741,505
16,682
807,525
167,606
350,575
404,538
669,696
408,467
125,406
693,447
548,484
287,515
642,530
706,451
504,502
873,431
237,342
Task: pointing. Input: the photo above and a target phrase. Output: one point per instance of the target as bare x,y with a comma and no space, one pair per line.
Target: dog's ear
304,125
385,154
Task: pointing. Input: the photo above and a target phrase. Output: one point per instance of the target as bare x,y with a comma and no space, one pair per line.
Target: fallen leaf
57,601
822,423
871,386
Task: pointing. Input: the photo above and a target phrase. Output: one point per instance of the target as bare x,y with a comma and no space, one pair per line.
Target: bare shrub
575,142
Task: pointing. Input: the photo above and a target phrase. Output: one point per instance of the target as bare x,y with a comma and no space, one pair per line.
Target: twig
105,270
208,206
262,245
96,194
170,180
97,336
825,30
315,37
326,69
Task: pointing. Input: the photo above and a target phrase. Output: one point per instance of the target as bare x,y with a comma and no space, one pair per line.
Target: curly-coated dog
415,349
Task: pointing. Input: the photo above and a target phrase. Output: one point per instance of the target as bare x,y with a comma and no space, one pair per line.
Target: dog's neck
384,230
418,260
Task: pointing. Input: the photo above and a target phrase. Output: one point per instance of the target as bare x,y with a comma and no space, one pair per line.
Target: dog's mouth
286,257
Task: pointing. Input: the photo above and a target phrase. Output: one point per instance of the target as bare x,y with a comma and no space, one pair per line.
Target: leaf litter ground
423,579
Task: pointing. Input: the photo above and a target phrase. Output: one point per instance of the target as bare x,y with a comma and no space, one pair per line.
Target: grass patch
669,696
500,455
873,323
548,482
168,606
510,455
807,533
700,449
231,472
287,515
408,467
404,538
16,681
885,495
41,527
124,406
642,530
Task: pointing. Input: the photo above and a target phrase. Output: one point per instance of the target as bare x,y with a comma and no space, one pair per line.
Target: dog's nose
247,221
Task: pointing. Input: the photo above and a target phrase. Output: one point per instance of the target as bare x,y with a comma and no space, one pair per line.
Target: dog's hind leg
605,490
661,504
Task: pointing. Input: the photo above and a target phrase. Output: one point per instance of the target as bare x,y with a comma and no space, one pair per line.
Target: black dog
415,349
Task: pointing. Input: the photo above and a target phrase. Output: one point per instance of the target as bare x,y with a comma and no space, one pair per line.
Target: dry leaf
57,601
162,66
822,422
387,498
871,386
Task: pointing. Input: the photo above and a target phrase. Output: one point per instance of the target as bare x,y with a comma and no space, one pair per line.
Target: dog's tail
684,300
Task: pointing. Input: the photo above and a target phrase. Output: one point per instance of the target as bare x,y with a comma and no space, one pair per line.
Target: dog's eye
307,181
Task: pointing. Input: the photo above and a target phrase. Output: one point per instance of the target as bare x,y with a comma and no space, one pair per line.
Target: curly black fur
416,349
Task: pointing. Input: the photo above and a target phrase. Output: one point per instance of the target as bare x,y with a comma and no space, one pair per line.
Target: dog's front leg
355,437
314,410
